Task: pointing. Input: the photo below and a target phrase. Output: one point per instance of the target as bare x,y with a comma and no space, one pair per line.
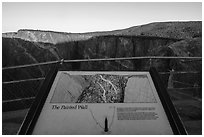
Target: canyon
182,39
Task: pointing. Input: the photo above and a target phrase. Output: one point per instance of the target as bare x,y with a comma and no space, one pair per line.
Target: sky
89,17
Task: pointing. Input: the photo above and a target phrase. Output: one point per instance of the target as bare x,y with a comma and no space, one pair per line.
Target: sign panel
102,103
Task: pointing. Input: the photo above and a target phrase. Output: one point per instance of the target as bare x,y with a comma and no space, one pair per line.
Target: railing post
150,62
170,81
61,61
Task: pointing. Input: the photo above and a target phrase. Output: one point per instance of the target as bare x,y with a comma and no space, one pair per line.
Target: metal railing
101,59
40,79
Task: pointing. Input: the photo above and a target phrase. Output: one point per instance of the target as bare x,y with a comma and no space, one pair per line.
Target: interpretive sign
103,103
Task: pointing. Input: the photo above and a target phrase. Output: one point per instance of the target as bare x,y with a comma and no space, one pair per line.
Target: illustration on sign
102,88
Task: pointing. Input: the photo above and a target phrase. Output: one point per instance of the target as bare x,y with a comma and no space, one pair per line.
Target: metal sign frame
35,110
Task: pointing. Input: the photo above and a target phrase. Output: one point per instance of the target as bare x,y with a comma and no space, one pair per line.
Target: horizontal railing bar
129,58
102,59
179,72
182,83
190,96
31,65
24,80
19,99
184,88
190,60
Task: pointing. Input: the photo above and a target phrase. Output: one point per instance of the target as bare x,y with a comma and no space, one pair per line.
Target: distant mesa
174,30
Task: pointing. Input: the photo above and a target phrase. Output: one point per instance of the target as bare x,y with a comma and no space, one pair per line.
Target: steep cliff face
113,47
97,47
155,39
19,52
